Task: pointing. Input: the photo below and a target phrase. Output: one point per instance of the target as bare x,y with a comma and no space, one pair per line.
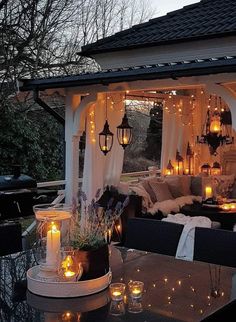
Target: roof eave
103,78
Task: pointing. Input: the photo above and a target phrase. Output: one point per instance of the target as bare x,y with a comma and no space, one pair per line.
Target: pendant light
124,131
106,136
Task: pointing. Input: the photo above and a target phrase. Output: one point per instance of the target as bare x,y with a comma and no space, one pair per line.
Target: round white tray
65,289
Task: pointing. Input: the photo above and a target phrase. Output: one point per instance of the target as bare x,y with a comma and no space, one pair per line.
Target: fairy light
92,126
179,282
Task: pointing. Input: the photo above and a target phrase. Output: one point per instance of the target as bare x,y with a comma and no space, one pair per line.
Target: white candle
53,245
208,192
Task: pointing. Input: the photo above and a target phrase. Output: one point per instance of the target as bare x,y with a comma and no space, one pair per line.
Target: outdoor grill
16,195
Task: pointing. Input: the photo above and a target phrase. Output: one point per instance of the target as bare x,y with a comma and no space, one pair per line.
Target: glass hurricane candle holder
52,232
117,291
135,289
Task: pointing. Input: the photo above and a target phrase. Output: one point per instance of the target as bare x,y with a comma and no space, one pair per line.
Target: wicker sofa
161,196
163,237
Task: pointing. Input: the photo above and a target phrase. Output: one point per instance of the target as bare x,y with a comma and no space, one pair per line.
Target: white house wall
217,47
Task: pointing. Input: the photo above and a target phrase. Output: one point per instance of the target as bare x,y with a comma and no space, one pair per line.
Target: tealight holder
117,291
117,308
51,234
135,305
135,289
70,269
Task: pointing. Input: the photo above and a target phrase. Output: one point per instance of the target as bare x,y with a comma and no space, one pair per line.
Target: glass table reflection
174,290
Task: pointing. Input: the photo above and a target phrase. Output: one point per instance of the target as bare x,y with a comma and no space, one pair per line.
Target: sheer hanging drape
100,170
175,136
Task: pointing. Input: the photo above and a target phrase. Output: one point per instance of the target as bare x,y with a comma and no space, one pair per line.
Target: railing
61,196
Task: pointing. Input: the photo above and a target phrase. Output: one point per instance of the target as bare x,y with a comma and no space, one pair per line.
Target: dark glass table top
175,290
226,218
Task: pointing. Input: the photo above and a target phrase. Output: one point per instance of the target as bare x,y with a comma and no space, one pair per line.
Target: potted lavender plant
91,233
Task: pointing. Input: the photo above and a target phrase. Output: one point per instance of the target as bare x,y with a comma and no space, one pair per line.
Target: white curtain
175,136
101,170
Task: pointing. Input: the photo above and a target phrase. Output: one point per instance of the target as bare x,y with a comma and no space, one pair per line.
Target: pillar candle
53,246
208,192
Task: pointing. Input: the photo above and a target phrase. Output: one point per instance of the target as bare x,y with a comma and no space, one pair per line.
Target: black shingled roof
206,19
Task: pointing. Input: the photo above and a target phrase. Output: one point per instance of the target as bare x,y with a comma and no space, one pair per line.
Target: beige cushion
146,184
161,190
179,185
186,184
140,191
174,184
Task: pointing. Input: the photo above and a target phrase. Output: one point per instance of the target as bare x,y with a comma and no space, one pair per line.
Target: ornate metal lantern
189,159
215,129
206,169
169,169
216,169
180,163
124,131
105,139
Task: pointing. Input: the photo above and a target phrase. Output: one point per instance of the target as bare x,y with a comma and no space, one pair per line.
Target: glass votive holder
135,289
70,269
135,305
117,308
117,291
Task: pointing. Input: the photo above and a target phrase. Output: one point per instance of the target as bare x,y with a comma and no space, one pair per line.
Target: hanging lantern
169,169
105,139
206,169
216,169
124,132
215,124
180,163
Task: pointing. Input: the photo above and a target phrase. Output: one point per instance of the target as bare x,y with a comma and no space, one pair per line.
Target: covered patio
172,265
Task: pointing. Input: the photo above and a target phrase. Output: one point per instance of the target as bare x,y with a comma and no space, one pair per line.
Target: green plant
92,224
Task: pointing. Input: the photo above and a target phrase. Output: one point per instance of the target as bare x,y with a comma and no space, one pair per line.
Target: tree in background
42,38
154,133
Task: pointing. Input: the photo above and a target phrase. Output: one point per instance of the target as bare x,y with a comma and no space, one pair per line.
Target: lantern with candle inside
216,169
52,232
206,169
117,291
169,169
135,289
70,269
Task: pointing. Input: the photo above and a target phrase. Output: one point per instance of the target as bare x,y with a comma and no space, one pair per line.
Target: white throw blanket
185,247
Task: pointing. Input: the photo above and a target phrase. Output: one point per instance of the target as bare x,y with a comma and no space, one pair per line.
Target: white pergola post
72,148
75,108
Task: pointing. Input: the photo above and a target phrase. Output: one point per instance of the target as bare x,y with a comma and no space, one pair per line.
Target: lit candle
117,291
104,148
186,171
108,234
125,140
136,292
67,266
208,192
53,245
135,289
168,172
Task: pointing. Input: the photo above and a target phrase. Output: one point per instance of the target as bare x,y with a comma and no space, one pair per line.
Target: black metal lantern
206,169
124,132
189,159
106,139
180,162
215,131
169,169
216,169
